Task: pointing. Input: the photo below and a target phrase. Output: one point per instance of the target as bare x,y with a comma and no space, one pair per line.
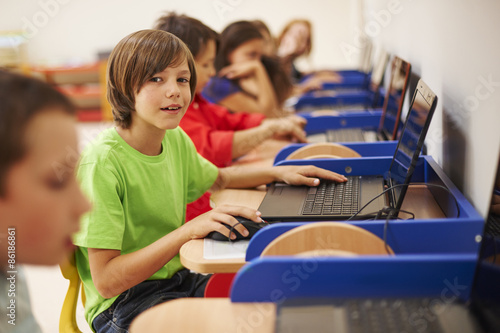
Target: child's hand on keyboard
306,175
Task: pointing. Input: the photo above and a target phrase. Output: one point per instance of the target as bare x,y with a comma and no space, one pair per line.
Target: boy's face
204,63
42,201
163,100
250,50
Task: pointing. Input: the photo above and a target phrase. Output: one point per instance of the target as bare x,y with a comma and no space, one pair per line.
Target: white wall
453,45
71,31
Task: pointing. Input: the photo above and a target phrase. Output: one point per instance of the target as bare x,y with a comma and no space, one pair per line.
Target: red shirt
211,127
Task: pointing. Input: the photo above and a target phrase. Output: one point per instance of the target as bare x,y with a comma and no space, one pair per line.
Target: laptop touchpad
285,200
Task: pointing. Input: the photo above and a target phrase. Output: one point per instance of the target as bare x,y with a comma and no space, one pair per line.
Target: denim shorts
118,317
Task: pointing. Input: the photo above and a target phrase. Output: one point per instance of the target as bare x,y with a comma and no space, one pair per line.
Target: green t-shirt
136,199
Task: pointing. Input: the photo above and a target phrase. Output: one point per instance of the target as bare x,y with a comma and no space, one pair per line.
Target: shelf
84,85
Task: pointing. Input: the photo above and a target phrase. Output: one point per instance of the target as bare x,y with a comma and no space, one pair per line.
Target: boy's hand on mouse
202,225
305,175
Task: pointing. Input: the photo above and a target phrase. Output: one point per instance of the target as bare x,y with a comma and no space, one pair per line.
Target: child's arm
246,140
241,177
264,102
113,273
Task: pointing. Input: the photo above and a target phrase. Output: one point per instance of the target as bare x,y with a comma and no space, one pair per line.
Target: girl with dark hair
242,82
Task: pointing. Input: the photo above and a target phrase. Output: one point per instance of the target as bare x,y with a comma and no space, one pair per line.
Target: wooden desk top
191,254
206,315
417,197
420,201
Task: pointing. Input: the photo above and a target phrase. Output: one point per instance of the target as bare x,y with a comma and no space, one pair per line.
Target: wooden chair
322,150
67,320
327,239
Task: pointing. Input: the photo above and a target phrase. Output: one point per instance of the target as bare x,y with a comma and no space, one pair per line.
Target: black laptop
438,314
391,112
340,201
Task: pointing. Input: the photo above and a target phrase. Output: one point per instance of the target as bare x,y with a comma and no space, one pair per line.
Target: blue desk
274,279
434,257
373,149
354,119
333,98
350,79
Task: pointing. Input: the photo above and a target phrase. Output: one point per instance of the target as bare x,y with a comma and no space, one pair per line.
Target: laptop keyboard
333,198
354,135
345,135
493,225
374,315
335,107
392,315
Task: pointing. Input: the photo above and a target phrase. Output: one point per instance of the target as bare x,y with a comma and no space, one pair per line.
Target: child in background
242,82
40,201
219,136
294,42
140,176
270,47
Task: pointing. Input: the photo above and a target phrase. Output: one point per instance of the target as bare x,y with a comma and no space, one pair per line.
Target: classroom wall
74,31
453,45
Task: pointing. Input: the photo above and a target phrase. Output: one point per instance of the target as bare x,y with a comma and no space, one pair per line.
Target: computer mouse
251,226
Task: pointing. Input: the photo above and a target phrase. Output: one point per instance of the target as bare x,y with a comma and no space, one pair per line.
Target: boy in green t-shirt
140,176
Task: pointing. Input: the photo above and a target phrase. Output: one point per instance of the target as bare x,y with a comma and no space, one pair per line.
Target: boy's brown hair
135,60
191,31
21,99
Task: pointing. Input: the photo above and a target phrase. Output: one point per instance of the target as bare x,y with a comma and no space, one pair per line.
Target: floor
46,284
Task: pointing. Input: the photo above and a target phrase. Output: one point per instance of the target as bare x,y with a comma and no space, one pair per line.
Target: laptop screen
377,79
411,139
379,69
393,103
485,293
366,57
